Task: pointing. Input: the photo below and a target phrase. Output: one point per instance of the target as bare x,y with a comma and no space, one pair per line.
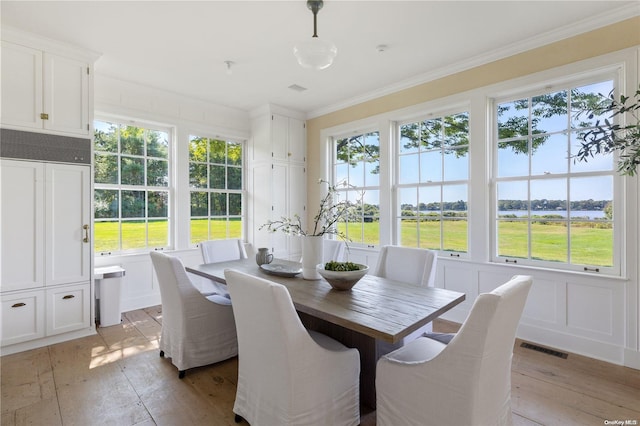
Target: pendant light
314,52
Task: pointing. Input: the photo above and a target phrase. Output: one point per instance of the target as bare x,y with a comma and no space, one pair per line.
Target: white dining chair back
196,330
412,265
222,250
288,375
464,382
334,250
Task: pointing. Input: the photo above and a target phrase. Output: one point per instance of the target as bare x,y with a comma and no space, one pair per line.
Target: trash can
109,281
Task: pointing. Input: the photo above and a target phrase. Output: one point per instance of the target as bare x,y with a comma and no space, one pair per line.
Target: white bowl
342,280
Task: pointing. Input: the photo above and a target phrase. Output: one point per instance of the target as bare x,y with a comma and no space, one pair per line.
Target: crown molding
579,27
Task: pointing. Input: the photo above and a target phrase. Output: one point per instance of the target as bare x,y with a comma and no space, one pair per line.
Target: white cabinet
45,249
43,91
278,180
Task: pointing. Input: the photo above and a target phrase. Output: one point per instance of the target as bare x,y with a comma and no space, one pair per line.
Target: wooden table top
377,307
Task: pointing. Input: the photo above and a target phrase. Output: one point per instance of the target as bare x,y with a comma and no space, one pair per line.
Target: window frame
566,82
242,191
452,109
360,190
120,187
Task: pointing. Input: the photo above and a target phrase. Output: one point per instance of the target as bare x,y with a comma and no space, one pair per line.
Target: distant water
591,214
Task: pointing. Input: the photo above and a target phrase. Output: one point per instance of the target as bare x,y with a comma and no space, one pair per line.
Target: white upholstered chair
288,375
465,382
333,250
217,251
410,265
196,330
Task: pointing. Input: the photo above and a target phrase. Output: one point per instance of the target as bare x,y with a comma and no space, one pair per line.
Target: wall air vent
544,350
297,88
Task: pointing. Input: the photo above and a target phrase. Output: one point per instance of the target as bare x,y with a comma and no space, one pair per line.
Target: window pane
134,234
456,164
513,158
235,204
157,144
342,172
431,166
599,162
197,175
432,134
199,204
513,119
430,231
549,112
105,204
131,171
133,204
549,195
218,229
408,169
217,178
218,204
234,227
158,204
409,138
592,243
513,198
158,233
131,140
234,154
454,234
199,230
513,238
549,155
105,137
198,149
105,168
234,178
157,173
107,236
586,98
549,239
218,151
456,130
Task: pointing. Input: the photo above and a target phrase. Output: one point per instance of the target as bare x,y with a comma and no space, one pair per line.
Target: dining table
375,310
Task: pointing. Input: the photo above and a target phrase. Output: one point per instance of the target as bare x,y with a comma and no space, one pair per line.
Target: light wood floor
117,378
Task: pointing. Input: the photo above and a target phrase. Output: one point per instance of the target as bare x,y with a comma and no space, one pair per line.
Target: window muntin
432,183
131,187
356,164
216,182
552,210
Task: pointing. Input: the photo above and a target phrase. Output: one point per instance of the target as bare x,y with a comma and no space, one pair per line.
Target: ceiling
181,46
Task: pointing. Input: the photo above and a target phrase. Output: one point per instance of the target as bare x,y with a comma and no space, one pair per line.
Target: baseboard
632,359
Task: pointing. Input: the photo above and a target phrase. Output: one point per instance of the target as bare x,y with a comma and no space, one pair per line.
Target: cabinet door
67,309
297,140
280,137
22,317
22,235
67,212
66,94
21,86
297,194
279,208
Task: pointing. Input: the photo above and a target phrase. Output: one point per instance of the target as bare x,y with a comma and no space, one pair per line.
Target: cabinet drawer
68,308
22,317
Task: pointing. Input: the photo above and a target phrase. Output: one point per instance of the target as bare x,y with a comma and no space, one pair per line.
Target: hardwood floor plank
117,377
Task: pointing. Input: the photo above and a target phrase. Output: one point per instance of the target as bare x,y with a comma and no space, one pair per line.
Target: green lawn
590,245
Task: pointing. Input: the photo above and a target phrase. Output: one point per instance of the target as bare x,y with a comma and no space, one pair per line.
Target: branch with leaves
325,222
608,137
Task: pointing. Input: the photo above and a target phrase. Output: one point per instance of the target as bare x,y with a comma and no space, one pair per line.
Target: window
551,209
131,197
432,183
215,179
356,163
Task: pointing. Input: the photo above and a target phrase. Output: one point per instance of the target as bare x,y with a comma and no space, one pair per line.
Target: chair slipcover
195,331
333,250
410,265
217,251
288,375
468,381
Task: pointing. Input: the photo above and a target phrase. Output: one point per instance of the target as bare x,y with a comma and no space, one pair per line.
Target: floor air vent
544,350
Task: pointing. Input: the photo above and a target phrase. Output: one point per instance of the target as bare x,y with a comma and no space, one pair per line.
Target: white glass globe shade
315,53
